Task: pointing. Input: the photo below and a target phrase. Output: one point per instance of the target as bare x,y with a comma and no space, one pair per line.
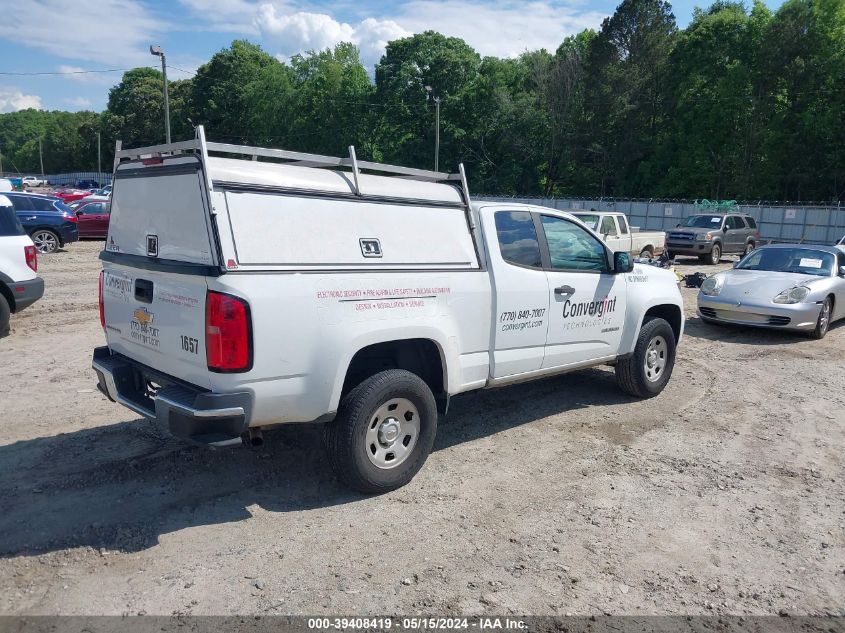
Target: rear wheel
46,241
646,253
715,255
5,316
823,322
748,248
383,432
645,373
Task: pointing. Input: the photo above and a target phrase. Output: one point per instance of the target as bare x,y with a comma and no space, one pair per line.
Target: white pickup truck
240,294
620,237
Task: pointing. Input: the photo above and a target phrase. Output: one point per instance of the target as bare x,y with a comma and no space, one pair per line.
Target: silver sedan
783,286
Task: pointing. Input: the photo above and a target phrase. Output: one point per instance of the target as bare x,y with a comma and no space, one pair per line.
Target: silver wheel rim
645,255
45,242
824,317
392,433
716,255
656,356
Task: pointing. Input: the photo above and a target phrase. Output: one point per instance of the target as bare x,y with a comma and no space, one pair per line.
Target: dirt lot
726,494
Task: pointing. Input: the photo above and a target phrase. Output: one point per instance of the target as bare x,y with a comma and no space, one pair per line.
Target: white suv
19,285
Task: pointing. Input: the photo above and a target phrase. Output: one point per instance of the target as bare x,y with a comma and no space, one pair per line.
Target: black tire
646,253
346,436
823,322
715,255
631,372
749,246
5,317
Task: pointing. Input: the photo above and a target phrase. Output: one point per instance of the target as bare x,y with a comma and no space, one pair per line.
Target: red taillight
228,335
102,308
71,217
31,257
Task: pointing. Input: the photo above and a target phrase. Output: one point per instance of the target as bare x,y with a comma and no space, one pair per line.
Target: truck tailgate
157,319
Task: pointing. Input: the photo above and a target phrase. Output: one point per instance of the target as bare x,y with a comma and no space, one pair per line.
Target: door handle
564,290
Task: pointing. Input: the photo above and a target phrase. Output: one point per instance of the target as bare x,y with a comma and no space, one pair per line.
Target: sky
69,36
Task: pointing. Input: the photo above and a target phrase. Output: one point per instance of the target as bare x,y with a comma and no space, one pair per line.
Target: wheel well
10,299
647,247
669,313
419,356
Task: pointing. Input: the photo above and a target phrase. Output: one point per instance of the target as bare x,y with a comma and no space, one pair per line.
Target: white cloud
290,33
502,28
12,100
78,74
116,31
232,16
80,103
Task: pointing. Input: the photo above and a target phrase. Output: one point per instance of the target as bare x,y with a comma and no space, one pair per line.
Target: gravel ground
726,494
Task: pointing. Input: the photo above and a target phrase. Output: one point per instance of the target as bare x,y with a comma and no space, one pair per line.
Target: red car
70,195
93,218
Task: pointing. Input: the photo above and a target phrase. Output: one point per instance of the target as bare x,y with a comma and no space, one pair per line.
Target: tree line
742,103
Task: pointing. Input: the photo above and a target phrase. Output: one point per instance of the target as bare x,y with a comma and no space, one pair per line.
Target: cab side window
518,238
734,222
572,247
623,225
608,227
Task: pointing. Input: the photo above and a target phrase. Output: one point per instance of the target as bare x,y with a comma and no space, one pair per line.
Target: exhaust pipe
256,437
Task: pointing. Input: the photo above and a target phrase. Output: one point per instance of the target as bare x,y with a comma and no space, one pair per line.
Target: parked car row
52,224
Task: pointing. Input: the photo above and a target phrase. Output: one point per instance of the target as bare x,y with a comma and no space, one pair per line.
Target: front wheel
645,373
823,322
715,254
383,432
46,241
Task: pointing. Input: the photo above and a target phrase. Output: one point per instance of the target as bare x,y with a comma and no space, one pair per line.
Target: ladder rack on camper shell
204,148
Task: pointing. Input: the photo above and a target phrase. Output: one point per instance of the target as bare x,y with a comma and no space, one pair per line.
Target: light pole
156,50
428,89
41,157
99,164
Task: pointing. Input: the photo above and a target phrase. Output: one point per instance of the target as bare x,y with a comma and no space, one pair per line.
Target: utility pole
156,50
41,158
428,89
99,163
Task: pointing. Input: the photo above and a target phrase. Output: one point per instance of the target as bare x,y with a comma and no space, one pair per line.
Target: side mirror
622,262
725,229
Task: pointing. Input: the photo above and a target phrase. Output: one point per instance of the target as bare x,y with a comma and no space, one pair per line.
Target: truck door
610,234
520,291
587,301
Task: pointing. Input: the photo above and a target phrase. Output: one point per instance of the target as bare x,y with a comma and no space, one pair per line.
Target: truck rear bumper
188,412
